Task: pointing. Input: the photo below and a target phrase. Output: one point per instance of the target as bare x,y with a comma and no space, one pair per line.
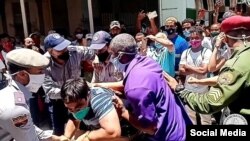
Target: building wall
34,19
1,25
75,13
48,24
9,17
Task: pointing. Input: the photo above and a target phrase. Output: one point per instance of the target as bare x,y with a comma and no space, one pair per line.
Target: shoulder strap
203,51
188,52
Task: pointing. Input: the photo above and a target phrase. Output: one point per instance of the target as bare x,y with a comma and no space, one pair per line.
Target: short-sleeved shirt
15,116
180,45
196,59
232,89
152,101
165,58
100,105
207,43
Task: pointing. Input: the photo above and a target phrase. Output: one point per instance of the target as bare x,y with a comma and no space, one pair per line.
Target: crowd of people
112,85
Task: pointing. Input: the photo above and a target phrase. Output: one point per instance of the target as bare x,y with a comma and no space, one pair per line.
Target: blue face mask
186,33
80,115
118,65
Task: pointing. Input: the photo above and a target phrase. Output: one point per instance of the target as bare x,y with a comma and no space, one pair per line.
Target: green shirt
232,89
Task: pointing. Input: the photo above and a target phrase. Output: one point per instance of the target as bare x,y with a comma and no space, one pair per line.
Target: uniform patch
96,37
20,121
19,97
235,119
225,78
215,95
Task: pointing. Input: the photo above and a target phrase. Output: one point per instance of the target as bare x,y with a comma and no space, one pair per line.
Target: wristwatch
179,88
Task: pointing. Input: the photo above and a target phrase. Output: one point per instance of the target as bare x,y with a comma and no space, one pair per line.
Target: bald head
124,43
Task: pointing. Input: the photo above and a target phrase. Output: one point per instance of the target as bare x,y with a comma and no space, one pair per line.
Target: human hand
83,137
151,37
192,80
170,81
220,38
152,15
97,65
141,15
119,106
59,138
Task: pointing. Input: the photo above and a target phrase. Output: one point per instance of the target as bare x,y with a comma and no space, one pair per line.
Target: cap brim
115,26
97,46
62,45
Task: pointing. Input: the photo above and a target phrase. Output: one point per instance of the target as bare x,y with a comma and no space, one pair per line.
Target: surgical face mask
36,81
186,33
80,115
64,56
158,46
214,33
195,43
79,36
118,65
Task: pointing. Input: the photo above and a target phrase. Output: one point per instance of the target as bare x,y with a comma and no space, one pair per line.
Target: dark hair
12,68
140,34
196,29
179,28
188,20
74,90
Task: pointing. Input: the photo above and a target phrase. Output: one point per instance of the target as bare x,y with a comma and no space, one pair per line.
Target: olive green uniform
232,89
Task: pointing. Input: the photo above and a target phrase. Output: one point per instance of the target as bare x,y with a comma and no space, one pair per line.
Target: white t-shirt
206,42
196,59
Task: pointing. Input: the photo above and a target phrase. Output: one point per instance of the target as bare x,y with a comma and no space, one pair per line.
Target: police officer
26,75
233,87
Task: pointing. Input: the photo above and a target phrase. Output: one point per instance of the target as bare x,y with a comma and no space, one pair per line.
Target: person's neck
172,36
196,49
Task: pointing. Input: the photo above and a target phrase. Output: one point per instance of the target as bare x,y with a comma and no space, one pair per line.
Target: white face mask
79,36
36,81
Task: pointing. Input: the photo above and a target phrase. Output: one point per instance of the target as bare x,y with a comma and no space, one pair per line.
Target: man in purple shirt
155,109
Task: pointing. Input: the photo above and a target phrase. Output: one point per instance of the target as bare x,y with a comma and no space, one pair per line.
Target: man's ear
49,50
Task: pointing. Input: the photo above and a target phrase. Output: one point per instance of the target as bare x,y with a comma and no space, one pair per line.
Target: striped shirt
100,105
56,74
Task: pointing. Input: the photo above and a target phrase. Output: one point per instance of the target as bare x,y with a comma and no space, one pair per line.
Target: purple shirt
152,100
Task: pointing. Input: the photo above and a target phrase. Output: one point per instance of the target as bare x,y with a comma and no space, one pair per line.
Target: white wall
175,8
190,4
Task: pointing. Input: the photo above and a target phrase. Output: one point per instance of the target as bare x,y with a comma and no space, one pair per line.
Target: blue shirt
180,45
152,101
165,58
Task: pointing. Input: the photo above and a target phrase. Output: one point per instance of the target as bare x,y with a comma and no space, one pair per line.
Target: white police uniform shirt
15,116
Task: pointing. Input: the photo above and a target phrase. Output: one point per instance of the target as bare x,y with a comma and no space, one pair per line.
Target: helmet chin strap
243,37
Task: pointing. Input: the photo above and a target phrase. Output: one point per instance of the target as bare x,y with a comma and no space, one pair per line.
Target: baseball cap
100,39
89,36
27,58
56,42
115,24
